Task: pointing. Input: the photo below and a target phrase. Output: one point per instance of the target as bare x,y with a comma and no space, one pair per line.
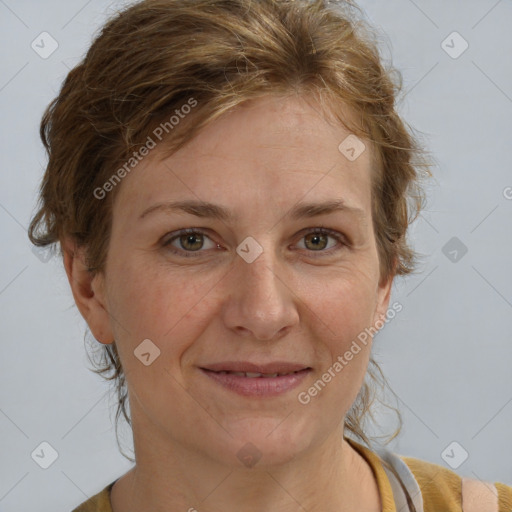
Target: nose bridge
259,301
257,279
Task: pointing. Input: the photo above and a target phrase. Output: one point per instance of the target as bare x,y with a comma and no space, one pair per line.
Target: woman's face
254,287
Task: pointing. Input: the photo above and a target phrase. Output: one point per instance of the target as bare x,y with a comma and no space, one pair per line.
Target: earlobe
88,291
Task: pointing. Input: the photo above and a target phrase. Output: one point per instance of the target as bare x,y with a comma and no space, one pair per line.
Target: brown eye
316,241
191,242
188,241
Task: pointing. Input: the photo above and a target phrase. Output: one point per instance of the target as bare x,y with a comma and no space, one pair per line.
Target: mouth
254,375
245,380
266,369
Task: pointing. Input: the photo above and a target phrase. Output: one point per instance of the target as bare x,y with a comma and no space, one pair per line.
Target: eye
317,240
188,241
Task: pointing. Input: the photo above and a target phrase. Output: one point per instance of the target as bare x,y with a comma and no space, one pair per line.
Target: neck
331,477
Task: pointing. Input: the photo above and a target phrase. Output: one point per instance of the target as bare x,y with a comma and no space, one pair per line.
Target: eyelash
197,231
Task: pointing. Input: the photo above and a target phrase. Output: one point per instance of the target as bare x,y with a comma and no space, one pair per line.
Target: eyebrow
205,209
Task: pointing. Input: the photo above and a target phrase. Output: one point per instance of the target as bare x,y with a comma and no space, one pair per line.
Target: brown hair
152,58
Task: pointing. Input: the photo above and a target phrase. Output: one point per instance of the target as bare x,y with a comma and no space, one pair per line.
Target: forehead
268,150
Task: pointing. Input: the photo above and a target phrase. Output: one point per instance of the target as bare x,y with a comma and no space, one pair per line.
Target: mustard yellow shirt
440,487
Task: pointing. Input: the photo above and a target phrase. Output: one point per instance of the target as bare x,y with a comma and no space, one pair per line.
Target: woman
231,187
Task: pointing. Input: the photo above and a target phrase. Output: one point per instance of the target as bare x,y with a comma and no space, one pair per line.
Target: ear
383,297
88,292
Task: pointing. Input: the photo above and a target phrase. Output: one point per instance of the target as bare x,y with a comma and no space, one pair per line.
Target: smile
255,384
253,375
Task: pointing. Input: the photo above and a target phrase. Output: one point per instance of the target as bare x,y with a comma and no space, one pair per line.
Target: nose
260,301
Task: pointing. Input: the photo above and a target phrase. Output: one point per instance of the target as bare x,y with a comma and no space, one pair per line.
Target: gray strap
476,495
407,478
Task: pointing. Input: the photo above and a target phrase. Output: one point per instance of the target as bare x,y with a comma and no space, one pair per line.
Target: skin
296,302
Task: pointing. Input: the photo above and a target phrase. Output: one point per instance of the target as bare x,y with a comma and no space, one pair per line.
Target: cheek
342,311
157,304
344,303
342,353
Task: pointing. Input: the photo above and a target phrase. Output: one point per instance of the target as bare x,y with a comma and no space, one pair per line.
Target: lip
259,387
247,366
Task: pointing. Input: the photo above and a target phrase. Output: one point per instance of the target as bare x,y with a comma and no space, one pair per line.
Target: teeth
253,375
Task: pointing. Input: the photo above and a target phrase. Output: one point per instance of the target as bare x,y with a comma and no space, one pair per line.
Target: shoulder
442,487
98,503
438,484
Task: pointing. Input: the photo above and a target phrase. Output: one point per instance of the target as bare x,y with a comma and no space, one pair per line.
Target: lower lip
258,386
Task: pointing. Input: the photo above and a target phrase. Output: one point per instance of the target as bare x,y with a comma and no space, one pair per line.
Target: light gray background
447,355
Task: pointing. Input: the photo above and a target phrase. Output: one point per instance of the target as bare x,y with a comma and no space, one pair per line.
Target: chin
265,442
